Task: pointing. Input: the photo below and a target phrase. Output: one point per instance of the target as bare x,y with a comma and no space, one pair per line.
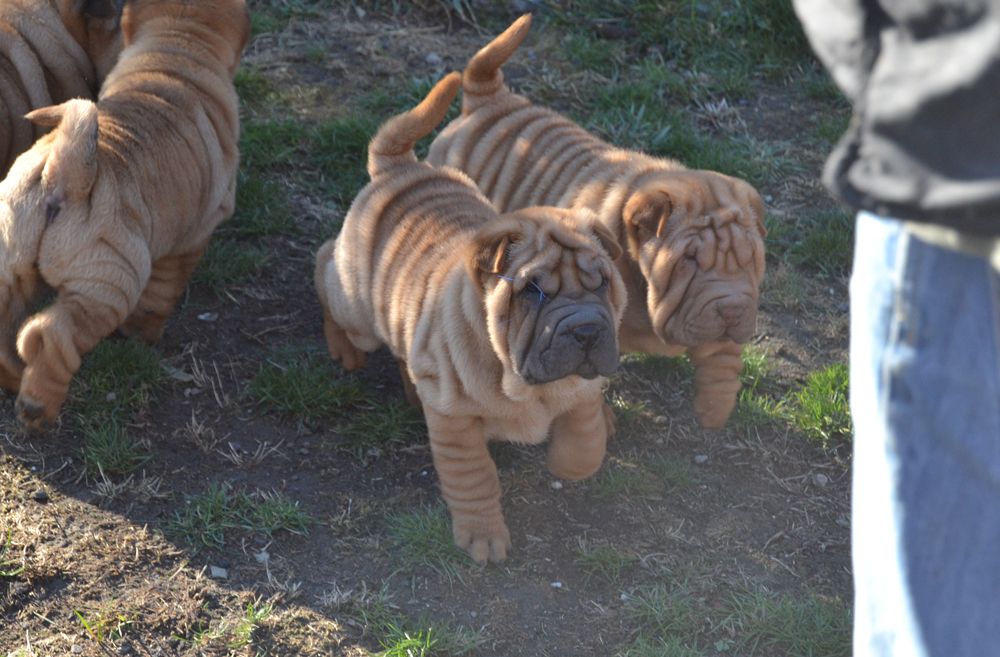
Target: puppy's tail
393,143
71,167
482,77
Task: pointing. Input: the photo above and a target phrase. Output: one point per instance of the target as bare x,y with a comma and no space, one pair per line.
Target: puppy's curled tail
71,166
482,77
393,143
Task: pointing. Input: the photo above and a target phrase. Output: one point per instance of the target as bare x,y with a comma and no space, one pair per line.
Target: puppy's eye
532,291
604,283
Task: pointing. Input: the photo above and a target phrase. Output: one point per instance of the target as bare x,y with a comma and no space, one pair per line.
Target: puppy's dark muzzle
577,340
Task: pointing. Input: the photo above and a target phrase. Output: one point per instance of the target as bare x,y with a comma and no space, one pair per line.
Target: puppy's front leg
469,484
53,342
717,368
579,441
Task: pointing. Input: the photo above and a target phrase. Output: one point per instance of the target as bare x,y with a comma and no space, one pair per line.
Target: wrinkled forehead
558,256
707,199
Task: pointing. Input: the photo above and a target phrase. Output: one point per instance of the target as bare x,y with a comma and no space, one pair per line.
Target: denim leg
925,397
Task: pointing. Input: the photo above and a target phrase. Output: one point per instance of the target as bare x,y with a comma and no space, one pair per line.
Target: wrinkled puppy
50,51
113,208
694,239
505,325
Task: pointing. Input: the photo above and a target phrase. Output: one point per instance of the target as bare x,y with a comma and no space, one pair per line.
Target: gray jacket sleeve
924,80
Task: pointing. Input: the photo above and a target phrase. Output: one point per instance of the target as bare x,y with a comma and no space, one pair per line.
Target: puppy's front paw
484,540
712,410
31,413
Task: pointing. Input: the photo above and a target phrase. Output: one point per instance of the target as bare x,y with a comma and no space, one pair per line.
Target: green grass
108,449
401,643
629,414
659,368
755,406
826,129
662,647
228,262
665,611
423,539
621,480
9,567
786,288
811,626
263,207
233,636
384,423
105,625
755,366
733,40
671,620
339,151
208,516
605,562
671,472
820,408
302,382
117,377
270,16
825,243
266,145
627,119
252,86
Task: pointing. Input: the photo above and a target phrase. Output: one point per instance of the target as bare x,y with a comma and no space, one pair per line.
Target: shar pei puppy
50,51
505,325
693,239
113,208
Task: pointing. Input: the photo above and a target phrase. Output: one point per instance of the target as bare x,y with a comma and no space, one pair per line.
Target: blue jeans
925,398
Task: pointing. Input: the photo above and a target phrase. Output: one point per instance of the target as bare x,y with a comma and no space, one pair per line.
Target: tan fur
50,51
113,208
694,239
425,265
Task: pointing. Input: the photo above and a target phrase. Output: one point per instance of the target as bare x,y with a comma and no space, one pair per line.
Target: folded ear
490,251
71,167
607,240
645,216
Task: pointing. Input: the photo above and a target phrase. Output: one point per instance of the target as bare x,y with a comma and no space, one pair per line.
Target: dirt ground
753,508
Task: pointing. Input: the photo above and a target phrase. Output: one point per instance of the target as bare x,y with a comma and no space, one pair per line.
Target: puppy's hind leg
350,352
340,345
167,279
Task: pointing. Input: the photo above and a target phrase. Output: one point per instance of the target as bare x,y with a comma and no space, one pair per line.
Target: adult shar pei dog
113,208
693,239
504,324
50,51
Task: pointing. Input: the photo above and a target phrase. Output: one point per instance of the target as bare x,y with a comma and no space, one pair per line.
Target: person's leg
925,397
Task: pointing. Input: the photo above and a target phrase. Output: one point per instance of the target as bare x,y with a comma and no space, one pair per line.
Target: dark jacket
924,79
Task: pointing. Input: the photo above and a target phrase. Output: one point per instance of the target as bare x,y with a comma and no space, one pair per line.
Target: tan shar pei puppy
505,325
694,239
50,51
113,208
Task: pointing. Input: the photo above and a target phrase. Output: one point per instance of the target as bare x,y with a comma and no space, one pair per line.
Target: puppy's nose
731,312
587,334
